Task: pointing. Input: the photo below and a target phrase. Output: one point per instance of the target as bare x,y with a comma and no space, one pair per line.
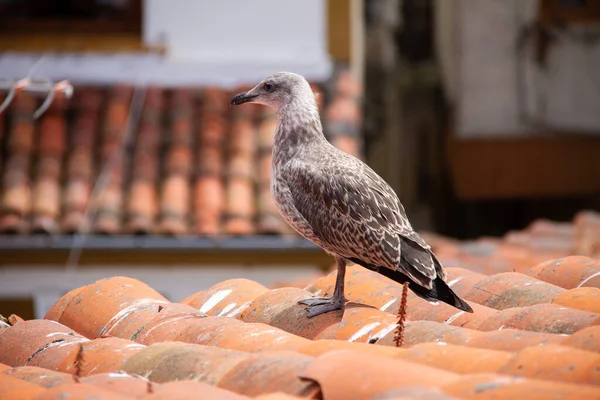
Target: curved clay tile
26,342
209,190
121,383
110,301
39,376
512,289
341,375
585,339
584,298
175,190
550,318
201,363
268,372
142,197
13,388
227,298
16,190
504,387
186,389
81,391
555,363
110,200
587,233
280,308
240,206
458,359
169,320
462,280
253,337
47,202
569,272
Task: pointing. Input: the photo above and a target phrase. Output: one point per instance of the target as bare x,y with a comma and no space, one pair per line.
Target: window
70,25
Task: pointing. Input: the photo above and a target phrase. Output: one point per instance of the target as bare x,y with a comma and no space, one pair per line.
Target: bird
338,202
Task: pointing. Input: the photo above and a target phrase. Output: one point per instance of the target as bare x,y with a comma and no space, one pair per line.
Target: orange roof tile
39,376
17,389
186,389
534,334
193,164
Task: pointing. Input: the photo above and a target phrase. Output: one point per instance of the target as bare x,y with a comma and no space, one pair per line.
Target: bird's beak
242,98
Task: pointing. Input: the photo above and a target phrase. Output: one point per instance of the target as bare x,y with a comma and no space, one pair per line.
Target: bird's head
277,91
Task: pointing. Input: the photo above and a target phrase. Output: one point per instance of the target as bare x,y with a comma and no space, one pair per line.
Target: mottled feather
353,213
338,202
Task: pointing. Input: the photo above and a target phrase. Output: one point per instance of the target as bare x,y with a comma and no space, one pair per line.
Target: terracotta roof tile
511,289
17,389
39,376
555,363
550,318
534,334
142,198
26,342
167,319
186,389
318,347
229,298
277,396
80,391
121,383
16,185
492,386
111,302
204,363
585,339
267,372
414,393
341,375
512,339
55,347
458,359
193,164
569,272
280,308
585,298
587,233
352,326
254,337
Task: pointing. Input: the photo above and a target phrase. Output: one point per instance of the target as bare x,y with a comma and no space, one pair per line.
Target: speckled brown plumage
338,202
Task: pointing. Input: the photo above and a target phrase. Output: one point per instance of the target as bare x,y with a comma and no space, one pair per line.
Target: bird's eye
268,87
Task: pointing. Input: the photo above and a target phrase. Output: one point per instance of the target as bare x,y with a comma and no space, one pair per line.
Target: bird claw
315,301
322,305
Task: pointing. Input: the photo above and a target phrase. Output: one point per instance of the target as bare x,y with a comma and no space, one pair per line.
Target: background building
483,116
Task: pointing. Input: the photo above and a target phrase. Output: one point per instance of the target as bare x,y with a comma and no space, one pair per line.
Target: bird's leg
321,305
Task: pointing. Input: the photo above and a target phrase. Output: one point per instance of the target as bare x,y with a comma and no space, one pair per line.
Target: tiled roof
193,166
535,333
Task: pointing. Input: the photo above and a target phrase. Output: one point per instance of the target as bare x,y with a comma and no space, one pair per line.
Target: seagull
338,202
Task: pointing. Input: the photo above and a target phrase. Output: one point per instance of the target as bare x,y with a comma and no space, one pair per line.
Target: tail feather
439,291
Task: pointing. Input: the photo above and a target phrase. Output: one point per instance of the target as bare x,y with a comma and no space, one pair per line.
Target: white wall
226,42
478,51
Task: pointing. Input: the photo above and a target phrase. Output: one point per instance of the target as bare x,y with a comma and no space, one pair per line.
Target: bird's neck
299,125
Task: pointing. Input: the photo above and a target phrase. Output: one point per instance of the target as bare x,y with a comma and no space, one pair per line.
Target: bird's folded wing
357,215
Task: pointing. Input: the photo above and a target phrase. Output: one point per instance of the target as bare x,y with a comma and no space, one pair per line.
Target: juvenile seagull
337,202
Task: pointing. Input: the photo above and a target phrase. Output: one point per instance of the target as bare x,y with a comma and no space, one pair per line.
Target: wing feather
354,213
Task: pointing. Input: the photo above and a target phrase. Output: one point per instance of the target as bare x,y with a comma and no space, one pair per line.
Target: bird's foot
322,305
316,301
